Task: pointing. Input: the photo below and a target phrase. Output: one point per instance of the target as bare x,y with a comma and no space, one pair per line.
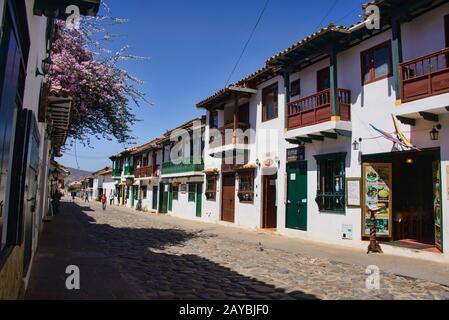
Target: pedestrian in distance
103,202
86,197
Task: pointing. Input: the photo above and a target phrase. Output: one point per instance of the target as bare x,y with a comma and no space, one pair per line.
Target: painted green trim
396,48
334,82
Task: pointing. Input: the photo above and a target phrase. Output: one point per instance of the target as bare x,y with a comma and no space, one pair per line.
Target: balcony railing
116,173
231,136
425,76
146,172
129,171
317,108
188,166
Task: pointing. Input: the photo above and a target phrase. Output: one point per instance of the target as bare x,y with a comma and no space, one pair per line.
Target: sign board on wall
296,154
377,192
447,182
354,192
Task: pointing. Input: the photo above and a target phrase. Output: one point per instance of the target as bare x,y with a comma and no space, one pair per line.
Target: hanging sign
437,207
354,192
377,192
296,154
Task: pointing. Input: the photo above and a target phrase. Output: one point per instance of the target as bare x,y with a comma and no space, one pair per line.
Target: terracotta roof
319,33
186,125
103,172
153,144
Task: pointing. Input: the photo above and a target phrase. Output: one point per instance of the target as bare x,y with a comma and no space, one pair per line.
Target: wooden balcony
231,136
146,172
317,108
425,76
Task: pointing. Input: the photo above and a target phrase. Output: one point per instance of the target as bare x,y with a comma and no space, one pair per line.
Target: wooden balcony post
335,107
396,48
286,74
236,117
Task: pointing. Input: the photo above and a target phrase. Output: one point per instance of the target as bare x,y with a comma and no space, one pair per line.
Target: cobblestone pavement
167,261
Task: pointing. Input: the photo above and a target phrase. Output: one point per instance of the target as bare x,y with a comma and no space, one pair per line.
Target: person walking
103,201
86,197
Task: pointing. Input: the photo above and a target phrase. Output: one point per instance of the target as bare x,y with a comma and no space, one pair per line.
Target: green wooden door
155,189
163,198
297,196
199,199
170,198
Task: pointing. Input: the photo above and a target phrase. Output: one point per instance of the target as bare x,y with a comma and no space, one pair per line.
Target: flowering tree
101,91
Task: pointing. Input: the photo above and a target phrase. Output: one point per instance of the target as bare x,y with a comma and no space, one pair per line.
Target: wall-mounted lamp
435,133
46,67
356,144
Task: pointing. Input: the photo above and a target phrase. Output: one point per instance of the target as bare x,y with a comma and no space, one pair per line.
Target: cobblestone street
168,258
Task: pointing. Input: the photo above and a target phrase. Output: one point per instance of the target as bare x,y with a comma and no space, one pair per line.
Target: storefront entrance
269,202
411,201
228,198
297,195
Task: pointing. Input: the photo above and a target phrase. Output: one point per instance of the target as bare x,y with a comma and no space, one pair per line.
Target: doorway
163,195
297,196
228,198
416,198
323,78
199,199
269,216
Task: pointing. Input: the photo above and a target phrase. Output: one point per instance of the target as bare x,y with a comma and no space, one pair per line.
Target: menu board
377,192
437,208
447,179
353,190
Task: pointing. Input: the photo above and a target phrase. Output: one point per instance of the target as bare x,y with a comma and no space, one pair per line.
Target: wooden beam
329,135
294,141
344,133
316,137
430,116
405,120
244,90
305,140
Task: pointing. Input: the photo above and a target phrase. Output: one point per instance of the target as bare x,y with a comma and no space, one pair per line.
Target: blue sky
193,46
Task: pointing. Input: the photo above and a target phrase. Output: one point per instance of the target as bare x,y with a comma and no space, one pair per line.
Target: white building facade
328,113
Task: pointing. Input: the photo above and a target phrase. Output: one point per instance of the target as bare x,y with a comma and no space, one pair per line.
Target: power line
247,42
327,15
76,157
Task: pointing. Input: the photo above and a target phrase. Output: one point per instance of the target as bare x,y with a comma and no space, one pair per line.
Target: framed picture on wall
354,192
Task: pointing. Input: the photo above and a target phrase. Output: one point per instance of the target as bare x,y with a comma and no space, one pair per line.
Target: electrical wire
327,15
76,157
247,42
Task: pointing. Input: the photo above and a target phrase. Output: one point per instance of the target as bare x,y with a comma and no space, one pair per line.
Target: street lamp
435,133
356,144
46,67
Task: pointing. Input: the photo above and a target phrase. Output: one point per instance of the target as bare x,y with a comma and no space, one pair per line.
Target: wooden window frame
213,114
323,160
247,192
297,83
265,91
175,192
211,191
371,52
191,194
446,30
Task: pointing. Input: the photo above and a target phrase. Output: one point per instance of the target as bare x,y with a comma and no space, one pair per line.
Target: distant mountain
76,175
